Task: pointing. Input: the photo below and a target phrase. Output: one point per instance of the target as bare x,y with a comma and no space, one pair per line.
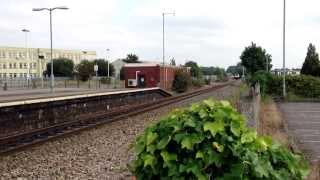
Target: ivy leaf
225,103
167,157
235,128
151,148
214,127
190,140
149,160
248,137
189,122
209,103
139,146
163,142
151,137
217,146
203,113
200,155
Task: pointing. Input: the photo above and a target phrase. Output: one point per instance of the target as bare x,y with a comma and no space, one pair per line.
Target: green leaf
209,103
190,140
200,155
167,157
218,147
225,103
149,160
189,122
151,148
248,137
214,127
163,142
235,128
151,137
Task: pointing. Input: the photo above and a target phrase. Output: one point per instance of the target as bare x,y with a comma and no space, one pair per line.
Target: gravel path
101,153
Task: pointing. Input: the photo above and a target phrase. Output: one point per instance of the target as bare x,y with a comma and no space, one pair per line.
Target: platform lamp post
284,49
50,13
27,53
163,45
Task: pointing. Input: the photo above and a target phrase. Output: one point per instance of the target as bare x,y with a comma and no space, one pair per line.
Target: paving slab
303,120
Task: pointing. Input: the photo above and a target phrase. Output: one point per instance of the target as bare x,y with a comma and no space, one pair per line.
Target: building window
30,65
21,65
10,75
14,75
14,65
10,66
25,65
4,66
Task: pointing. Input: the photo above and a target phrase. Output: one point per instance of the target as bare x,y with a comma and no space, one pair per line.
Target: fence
44,83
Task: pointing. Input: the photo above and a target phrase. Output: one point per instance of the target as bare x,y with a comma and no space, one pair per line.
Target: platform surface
303,121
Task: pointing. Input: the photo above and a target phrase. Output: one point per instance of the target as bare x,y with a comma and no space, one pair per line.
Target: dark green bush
210,140
105,80
263,78
198,82
181,81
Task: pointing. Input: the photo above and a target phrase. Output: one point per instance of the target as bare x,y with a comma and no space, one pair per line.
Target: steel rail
19,141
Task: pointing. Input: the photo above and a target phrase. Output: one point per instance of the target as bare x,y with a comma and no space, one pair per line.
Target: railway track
19,141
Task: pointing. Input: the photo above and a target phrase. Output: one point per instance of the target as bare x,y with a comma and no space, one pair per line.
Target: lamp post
284,49
163,45
108,67
27,53
50,13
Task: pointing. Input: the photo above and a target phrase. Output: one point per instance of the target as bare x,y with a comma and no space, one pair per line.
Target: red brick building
146,75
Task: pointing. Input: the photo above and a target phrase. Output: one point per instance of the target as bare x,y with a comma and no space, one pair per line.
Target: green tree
85,70
195,69
255,58
172,62
103,67
311,65
131,58
181,81
62,67
235,70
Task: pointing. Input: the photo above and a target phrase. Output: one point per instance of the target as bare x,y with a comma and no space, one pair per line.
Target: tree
235,70
311,65
181,81
255,58
172,62
103,67
62,67
195,69
85,70
131,58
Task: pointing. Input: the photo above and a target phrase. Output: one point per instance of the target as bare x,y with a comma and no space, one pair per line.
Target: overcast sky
211,32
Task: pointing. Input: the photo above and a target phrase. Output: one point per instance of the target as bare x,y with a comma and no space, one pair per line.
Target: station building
18,62
147,75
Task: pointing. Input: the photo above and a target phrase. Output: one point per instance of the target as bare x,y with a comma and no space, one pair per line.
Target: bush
207,81
198,82
106,80
264,78
210,140
181,81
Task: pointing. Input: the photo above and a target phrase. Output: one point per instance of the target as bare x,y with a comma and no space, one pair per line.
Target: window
10,66
21,65
30,65
14,75
4,66
10,75
14,65
25,65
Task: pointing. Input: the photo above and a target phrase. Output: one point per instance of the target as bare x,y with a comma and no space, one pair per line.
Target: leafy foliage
210,140
85,70
103,67
181,81
255,58
62,67
172,62
311,65
264,79
131,58
235,70
195,69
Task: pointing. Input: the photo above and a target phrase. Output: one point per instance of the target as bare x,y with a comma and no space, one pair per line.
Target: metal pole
284,48
52,75
28,65
163,51
108,69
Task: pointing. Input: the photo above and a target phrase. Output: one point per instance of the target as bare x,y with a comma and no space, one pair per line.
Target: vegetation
235,70
103,67
255,58
311,65
181,81
195,69
131,58
210,140
172,62
62,67
85,70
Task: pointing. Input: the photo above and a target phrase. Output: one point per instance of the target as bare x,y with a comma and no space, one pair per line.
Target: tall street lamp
284,49
27,53
163,45
50,12
108,67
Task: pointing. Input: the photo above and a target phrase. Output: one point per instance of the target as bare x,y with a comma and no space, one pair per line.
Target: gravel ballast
100,153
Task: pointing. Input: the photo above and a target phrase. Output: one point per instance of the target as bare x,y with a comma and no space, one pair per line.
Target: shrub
210,140
207,81
181,81
198,82
106,80
264,78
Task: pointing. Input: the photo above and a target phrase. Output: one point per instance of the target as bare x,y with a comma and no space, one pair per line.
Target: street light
108,67
27,52
50,12
284,48
163,45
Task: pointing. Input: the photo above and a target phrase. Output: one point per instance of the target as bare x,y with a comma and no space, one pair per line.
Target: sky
210,32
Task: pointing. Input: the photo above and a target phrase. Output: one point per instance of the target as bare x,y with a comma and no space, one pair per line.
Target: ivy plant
210,140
